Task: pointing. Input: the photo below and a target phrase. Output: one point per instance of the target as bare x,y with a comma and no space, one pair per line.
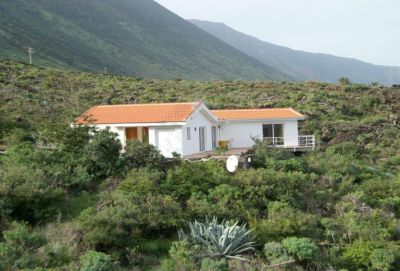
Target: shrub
182,257
263,154
276,253
102,154
138,155
20,247
371,255
133,208
344,81
27,189
208,264
300,248
223,201
283,220
194,177
96,261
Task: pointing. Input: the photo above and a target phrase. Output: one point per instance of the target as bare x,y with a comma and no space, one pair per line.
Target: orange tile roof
251,114
138,113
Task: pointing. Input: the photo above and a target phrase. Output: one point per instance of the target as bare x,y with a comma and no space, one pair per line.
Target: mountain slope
299,64
134,37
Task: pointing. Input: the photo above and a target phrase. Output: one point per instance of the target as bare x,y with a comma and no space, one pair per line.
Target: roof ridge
147,104
253,109
294,111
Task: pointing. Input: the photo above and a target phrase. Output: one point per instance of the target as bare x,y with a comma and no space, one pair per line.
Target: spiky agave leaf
220,239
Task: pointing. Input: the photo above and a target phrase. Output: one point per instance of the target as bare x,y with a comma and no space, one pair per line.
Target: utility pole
105,70
30,52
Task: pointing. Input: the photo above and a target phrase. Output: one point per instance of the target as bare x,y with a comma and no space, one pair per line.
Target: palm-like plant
221,240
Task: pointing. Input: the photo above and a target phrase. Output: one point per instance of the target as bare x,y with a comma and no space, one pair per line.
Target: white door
202,138
166,141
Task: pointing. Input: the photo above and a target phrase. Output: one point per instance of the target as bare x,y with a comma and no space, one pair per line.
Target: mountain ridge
301,64
128,37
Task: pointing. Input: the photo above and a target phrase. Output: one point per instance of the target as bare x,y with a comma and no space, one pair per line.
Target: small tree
139,154
102,154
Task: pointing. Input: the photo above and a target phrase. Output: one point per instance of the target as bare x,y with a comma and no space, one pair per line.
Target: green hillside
131,37
69,200
299,64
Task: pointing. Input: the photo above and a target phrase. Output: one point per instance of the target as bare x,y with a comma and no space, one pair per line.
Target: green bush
371,255
182,257
194,177
96,261
223,201
264,155
133,208
276,253
137,154
102,154
20,247
28,191
300,248
284,220
208,264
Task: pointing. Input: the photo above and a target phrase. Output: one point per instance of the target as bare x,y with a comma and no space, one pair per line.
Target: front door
202,138
131,133
166,142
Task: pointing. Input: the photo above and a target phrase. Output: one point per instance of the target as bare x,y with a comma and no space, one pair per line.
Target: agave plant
220,240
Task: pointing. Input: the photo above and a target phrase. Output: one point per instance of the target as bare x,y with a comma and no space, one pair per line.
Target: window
273,133
278,130
202,138
273,130
188,133
268,130
214,137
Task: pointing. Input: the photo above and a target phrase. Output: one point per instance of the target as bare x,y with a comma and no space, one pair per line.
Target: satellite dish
232,163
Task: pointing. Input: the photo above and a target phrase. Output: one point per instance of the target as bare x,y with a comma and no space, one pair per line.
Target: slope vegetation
131,37
78,204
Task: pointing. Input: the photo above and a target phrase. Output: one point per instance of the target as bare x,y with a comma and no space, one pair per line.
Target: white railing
307,141
275,141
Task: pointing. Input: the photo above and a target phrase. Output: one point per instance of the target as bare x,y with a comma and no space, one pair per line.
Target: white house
191,128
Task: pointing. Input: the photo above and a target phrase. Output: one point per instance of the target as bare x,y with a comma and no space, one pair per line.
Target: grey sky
365,29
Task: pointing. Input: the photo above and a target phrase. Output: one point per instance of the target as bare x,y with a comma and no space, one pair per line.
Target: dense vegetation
69,205
299,64
130,37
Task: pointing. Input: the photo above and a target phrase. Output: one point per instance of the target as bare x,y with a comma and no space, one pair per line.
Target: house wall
196,120
291,133
172,137
240,134
172,142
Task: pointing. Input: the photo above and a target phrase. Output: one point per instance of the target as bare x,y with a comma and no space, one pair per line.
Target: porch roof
258,114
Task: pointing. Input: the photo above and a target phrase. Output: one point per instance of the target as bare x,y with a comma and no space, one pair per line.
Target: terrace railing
275,141
306,141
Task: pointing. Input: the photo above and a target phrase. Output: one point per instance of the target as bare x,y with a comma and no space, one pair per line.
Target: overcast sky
365,29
